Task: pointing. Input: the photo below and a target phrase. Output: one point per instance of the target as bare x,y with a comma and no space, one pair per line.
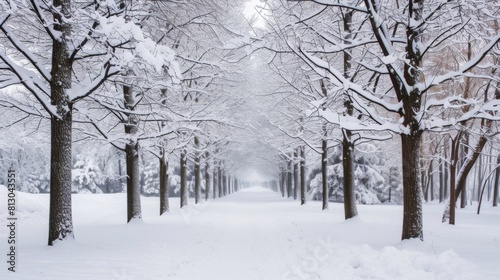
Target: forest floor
252,234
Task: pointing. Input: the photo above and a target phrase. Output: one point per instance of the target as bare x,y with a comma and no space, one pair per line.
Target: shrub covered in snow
86,176
371,182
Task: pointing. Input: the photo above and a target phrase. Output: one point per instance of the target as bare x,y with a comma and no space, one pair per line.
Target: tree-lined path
167,111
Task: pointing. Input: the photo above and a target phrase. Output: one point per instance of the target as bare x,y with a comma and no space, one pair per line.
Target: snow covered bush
86,176
36,182
371,186
150,186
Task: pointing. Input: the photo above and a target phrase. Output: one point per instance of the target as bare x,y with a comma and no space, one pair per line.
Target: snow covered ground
252,234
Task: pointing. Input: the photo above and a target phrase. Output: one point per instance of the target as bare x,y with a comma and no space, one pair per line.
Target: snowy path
242,236
253,234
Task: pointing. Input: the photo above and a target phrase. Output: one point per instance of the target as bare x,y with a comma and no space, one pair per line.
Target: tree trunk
283,181
479,175
296,175
133,182
324,173
197,172
465,151
468,164
350,209
220,179
441,180
224,183
132,152
425,186
215,183
207,178
302,176
120,173
431,178
60,216
164,186
184,190
453,175
412,191
411,97
445,175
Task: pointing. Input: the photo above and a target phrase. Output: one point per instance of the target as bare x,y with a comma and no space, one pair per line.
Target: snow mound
336,260
28,206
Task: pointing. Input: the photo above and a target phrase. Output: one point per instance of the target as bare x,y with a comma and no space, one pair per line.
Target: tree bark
296,175
164,186
224,183
453,176
465,151
479,176
283,181
184,190
445,175
467,166
197,172
423,182
441,180
132,153
302,176
220,179
324,154
324,173
350,208
207,177
60,213
412,194
431,179
411,101
215,184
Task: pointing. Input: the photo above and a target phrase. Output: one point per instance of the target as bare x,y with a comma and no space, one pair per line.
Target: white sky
250,10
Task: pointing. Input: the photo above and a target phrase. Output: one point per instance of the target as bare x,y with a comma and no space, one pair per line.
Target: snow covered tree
77,48
46,71
396,49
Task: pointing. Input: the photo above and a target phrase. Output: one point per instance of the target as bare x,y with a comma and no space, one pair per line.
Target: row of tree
142,76
367,70
312,99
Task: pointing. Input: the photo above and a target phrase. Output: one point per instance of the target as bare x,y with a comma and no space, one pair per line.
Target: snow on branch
336,3
322,68
354,124
120,32
31,82
438,80
476,109
107,72
48,25
26,53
